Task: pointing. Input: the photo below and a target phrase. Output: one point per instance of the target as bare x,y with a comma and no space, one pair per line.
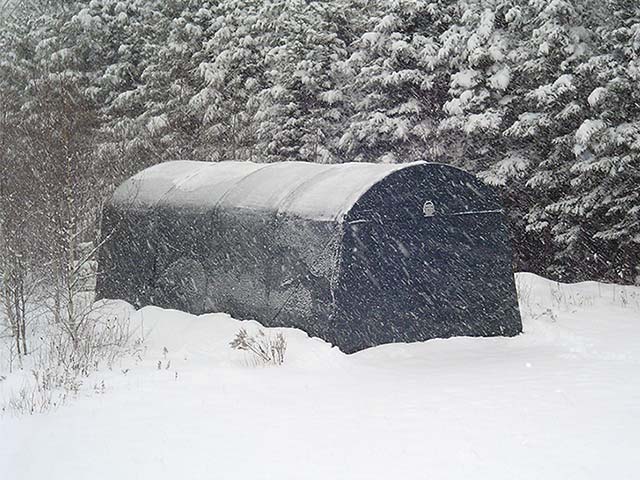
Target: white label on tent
428,209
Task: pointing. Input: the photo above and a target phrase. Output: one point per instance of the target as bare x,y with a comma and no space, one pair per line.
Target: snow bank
560,401
205,340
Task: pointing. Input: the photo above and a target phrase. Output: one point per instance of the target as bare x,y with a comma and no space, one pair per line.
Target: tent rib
292,194
177,184
235,184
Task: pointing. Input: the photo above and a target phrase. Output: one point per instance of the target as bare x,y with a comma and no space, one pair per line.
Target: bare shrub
98,340
63,361
265,349
29,400
48,388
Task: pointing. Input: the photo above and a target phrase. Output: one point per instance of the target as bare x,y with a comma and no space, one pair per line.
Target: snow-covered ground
560,401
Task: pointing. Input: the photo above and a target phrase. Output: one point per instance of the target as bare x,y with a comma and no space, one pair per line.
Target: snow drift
560,401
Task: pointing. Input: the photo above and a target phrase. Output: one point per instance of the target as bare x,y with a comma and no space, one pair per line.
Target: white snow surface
560,401
500,80
597,96
329,192
587,129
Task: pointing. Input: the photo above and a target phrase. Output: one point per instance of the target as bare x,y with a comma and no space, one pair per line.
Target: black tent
357,254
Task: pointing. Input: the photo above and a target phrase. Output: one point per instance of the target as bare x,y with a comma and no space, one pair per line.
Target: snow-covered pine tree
132,33
232,70
302,108
547,110
475,53
604,202
396,90
170,79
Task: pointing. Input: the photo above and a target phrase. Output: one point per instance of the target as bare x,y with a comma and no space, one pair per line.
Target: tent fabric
357,254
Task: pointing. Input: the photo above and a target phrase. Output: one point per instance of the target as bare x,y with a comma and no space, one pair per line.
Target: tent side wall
251,264
409,277
278,270
126,259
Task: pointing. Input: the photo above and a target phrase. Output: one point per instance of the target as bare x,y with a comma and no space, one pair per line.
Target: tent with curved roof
357,254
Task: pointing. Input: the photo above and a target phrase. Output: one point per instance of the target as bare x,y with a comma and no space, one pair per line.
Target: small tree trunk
23,310
17,337
17,322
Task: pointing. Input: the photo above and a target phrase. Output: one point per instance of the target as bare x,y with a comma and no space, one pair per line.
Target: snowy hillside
560,401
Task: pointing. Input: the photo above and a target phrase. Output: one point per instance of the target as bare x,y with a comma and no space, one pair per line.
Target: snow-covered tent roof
306,190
